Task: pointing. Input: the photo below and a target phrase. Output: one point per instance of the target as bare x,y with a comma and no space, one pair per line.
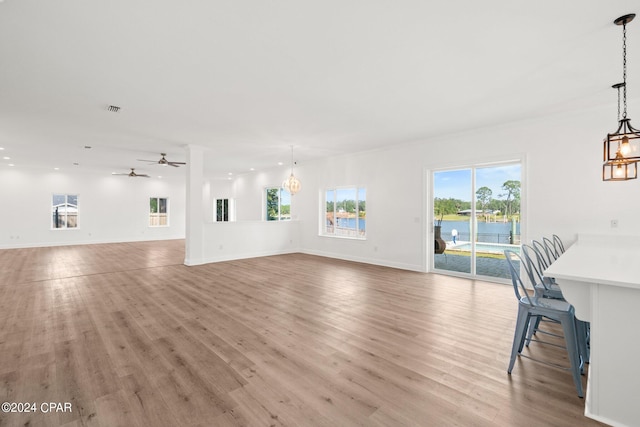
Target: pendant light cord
624,70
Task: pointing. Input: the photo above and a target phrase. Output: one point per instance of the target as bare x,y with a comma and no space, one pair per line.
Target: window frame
265,205
157,214
357,233
66,215
230,209
430,263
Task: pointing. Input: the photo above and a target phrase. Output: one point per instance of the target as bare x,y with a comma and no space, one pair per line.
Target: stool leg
581,330
533,327
519,335
571,340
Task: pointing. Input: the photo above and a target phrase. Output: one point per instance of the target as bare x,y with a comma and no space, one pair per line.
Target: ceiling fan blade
133,174
145,160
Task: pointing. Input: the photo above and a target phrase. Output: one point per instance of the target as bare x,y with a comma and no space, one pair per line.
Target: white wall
225,241
393,181
249,192
250,235
111,208
563,190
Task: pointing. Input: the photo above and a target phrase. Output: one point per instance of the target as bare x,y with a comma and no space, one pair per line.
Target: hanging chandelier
292,184
619,168
622,147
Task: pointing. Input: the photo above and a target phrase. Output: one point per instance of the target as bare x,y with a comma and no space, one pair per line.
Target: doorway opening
477,216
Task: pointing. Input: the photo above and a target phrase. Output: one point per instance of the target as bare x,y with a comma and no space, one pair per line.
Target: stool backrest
515,263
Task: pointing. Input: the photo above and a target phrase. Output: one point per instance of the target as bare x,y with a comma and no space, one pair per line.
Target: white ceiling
250,78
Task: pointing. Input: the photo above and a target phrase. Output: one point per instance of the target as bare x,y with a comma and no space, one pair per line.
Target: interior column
194,206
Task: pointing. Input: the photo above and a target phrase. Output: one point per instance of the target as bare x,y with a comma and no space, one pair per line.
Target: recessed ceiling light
6,158
56,169
159,176
280,163
252,169
11,164
230,173
1,148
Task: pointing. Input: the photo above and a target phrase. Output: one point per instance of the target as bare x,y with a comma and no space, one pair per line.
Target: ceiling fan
164,162
133,174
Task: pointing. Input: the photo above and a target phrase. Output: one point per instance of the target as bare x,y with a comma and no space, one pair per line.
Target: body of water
488,232
351,223
488,248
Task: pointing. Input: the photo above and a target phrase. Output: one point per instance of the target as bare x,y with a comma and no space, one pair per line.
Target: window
224,210
278,204
158,212
345,212
64,211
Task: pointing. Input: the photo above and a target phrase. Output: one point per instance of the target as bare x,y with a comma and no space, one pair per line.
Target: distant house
467,212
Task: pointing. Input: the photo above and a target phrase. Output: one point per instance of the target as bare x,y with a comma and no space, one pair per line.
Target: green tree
449,206
329,206
512,196
484,197
350,206
362,208
272,203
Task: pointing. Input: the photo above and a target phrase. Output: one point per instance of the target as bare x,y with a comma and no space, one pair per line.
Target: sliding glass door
452,229
476,214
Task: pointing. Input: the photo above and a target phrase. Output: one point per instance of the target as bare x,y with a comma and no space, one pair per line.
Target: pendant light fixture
619,168
292,184
624,143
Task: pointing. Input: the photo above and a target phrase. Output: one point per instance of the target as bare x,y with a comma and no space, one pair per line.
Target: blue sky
285,198
457,183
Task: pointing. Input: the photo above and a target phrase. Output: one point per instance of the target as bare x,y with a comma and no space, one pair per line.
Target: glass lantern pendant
625,141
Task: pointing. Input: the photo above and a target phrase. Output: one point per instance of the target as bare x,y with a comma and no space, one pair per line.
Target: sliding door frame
429,216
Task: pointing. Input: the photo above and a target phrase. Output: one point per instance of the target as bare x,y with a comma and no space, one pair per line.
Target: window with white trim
158,212
64,211
345,212
278,204
224,210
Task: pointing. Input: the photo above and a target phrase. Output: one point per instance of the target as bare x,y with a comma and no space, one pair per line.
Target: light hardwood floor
131,337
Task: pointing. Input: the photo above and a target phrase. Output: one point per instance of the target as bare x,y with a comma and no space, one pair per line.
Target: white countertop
603,263
600,276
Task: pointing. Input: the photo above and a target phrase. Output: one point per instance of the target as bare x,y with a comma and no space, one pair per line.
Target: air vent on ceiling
113,108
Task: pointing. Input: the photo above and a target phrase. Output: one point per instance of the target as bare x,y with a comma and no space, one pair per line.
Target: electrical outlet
614,223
